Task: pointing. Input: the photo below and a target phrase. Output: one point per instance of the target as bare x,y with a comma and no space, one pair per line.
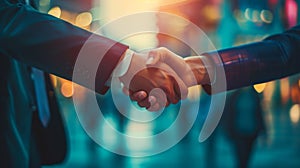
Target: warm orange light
260,87
299,83
211,12
295,113
269,91
53,79
67,89
68,16
55,11
295,93
110,13
84,19
285,90
166,2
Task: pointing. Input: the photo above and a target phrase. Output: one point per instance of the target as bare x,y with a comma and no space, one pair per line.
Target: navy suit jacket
273,58
32,39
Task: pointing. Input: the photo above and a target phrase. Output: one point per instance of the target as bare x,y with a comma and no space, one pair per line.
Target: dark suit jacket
275,57
31,39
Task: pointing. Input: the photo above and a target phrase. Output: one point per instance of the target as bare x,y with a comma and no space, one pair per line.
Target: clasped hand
159,78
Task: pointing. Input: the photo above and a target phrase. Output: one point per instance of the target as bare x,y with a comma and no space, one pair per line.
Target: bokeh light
84,19
295,93
55,11
248,14
295,113
211,12
109,11
67,89
53,80
260,87
240,17
284,90
291,12
255,16
266,16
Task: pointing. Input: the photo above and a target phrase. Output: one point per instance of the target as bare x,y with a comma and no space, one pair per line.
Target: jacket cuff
217,78
107,66
233,68
244,65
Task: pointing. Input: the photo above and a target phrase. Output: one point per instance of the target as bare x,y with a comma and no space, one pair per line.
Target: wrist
124,63
201,70
122,66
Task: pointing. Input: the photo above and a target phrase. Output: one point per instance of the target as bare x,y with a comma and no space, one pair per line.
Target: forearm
271,59
53,45
199,71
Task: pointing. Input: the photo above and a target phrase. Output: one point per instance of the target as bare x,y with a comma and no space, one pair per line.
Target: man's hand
157,81
191,70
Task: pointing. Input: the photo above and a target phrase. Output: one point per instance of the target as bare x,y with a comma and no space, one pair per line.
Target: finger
164,102
176,90
126,91
139,96
152,99
153,57
180,88
154,108
152,104
161,96
170,95
176,63
164,55
171,100
144,103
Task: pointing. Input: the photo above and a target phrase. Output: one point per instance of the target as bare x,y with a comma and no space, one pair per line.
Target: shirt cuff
122,67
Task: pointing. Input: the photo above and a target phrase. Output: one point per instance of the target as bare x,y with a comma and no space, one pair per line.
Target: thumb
153,57
163,55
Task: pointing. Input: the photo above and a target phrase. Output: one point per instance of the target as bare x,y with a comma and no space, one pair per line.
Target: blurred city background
264,117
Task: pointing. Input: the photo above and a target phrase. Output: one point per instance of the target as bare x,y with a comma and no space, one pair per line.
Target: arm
53,45
273,58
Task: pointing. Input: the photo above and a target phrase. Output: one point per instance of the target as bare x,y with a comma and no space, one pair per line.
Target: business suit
31,39
275,57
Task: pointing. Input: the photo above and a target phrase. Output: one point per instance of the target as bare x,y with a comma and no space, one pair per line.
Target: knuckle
154,53
163,49
144,104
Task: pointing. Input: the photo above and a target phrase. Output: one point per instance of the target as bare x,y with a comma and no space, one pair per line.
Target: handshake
158,78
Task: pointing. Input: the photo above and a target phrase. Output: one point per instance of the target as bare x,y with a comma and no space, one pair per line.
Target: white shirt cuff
122,67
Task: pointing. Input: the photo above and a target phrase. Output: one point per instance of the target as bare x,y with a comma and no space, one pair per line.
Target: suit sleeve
53,45
273,58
